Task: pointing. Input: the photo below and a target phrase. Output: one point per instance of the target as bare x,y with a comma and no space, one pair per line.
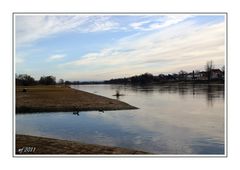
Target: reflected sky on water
171,119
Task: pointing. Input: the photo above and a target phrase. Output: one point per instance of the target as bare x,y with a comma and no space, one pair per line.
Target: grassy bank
62,98
38,145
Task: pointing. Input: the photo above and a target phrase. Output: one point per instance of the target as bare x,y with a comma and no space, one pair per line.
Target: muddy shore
40,145
32,99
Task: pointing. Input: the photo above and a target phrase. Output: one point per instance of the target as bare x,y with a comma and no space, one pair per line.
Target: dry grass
62,98
40,145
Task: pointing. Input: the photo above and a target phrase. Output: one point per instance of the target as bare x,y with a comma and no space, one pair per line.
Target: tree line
27,80
208,75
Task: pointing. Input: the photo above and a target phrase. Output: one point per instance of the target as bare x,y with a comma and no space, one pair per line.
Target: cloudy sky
100,47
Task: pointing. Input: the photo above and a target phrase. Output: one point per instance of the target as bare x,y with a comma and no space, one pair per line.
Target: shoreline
37,99
63,99
26,144
165,83
222,82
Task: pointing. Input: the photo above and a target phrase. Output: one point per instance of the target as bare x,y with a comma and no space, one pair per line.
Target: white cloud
32,28
184,46
55,57
100,23
137,25
160,22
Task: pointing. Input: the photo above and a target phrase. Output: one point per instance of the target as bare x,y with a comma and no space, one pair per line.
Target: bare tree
182,75
208,68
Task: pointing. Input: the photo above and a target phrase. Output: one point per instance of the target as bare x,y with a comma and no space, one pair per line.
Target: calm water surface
171,119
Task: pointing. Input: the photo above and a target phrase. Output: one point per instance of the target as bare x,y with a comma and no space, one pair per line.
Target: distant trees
209,74
144,78
60,81
67,82
194,76
223,69
47,80
24,80
27,80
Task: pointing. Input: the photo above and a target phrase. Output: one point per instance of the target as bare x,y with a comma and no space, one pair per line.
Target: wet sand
63,99
40,145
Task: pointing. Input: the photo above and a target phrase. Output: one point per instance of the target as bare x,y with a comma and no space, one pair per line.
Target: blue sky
100,47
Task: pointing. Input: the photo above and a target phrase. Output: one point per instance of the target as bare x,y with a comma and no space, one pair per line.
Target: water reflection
211,91
172,119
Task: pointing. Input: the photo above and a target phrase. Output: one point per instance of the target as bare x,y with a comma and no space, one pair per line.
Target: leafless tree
182,75
208,68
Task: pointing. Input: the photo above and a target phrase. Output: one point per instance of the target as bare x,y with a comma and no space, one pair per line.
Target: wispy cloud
32,28
55,57
184,46
99,23
160,22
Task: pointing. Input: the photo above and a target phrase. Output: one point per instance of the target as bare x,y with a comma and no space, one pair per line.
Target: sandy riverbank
40,145
62,98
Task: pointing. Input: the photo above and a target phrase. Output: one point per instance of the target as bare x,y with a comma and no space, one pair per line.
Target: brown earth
40,145
32,99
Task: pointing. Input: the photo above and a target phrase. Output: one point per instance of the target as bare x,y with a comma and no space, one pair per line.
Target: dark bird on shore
100,110
76,113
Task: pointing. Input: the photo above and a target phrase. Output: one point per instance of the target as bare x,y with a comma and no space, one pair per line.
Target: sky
101,47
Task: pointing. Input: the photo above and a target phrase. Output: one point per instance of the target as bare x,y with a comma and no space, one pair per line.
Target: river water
171,119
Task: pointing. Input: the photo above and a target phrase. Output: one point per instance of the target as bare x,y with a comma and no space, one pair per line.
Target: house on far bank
217,74
203,75
197,75
189,76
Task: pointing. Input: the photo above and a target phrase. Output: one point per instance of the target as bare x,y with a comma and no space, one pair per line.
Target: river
171,119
